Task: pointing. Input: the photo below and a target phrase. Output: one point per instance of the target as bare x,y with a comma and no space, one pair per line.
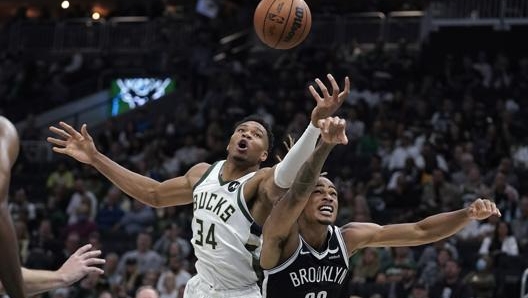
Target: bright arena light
96,15
65,4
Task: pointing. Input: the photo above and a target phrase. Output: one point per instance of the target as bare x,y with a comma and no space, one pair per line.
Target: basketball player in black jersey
305,256
10,274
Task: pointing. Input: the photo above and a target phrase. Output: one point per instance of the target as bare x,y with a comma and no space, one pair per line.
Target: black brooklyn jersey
309,273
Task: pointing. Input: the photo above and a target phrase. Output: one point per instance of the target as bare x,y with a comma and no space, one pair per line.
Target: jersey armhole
204,176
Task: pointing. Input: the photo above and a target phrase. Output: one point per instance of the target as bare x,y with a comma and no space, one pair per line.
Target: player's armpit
178,191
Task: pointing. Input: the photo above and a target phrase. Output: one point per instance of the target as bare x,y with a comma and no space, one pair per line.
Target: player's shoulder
264,171
198,169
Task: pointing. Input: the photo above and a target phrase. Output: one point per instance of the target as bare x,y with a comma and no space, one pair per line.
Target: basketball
282,24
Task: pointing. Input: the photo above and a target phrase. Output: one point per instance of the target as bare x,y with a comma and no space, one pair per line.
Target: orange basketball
282,24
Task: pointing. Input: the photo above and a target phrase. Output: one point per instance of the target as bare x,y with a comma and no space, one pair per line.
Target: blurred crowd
422,140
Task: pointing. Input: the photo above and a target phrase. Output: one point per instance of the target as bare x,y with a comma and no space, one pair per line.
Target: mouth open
242,145
326,210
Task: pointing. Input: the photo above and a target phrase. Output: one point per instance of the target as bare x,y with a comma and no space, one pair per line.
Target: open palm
78,145
328,104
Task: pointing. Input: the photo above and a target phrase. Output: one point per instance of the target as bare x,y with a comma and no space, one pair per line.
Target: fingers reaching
335,87
323,88
95,270
70,130
315,94
83,249
57,142
60,132
84,132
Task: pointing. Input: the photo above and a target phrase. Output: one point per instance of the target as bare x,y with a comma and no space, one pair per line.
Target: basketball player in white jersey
226,226
10,274
305,256
81,263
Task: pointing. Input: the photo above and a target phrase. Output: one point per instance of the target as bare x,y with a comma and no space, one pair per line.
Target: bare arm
283,217
80,145
431,229
10,273
175,191
76,267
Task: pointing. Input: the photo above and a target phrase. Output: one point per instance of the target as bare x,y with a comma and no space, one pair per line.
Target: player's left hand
482,209
329,103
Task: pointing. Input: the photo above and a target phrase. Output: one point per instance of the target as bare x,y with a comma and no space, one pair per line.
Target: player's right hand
78,145
328,104
333,130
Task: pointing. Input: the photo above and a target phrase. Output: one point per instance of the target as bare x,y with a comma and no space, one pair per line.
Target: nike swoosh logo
333,251
303,252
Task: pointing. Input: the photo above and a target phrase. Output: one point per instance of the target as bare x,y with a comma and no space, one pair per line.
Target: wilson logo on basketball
299,13
275,18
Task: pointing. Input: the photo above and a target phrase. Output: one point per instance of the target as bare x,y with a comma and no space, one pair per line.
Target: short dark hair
262,122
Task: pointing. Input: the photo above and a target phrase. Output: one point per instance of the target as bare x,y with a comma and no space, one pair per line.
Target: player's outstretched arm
80,145
327,105
78,265
279,224
269,184
430,229
10,273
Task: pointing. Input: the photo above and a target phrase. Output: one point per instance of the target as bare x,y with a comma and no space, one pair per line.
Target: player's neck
232,171
314,234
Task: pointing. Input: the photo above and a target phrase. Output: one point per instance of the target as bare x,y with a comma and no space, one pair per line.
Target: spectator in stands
520,224
172,234
144,256
44,248
505,167
175,277
502,242
460,165
482,279
473,186
81,195
146,292
113,277
439,195
21,208
84,225
403,150
131,277
140,218
110,211
71,244
451,286
419,290
432,271
368,267
61,177
505,195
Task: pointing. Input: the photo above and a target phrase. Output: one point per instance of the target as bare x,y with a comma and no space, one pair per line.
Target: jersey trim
242,204
342,243
286,263
204,176
321,255
220,179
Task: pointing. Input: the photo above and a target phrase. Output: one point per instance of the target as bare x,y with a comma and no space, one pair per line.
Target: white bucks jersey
225,238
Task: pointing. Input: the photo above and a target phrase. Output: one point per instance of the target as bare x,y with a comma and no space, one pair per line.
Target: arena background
437,115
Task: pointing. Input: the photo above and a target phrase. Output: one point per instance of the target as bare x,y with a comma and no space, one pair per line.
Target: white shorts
197,288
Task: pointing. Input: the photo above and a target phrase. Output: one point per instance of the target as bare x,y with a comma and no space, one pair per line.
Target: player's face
322,206
249,143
